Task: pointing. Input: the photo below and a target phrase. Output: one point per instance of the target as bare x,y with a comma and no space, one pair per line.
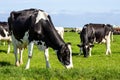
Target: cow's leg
21,52
16,56
81,49
8,51
30,50
108,50
46,53
90,51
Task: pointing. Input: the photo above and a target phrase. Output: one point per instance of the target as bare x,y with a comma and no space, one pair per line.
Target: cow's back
20,22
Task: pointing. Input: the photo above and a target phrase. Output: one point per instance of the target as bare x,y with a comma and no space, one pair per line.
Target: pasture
97,67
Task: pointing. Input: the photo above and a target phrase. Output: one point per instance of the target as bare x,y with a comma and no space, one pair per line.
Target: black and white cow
92,33
4,34
35,26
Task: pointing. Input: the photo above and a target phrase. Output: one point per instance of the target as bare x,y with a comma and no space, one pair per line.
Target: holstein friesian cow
92,33
35,26
4,34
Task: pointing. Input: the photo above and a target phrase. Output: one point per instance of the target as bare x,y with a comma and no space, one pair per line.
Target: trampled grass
97,67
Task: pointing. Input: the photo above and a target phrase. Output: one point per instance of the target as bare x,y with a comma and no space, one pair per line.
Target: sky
68,12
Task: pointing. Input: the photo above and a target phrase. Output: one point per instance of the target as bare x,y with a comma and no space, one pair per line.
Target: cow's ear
91,45
79,45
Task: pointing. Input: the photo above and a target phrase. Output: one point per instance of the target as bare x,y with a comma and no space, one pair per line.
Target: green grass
97,67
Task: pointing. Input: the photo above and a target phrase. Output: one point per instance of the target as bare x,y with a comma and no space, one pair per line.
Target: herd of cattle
34,26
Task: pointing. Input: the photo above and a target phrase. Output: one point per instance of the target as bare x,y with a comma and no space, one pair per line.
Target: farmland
97,67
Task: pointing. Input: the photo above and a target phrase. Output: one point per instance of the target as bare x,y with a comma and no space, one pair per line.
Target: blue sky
63,8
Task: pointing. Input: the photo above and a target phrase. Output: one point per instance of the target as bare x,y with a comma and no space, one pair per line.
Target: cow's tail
9,24
10,20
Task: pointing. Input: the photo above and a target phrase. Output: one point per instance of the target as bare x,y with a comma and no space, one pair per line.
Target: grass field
97,67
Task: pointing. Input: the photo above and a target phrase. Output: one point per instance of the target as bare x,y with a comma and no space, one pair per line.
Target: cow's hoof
17,64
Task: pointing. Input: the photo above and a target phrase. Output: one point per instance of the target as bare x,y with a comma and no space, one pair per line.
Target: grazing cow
4,34
60,30
77,30
35,26
94,33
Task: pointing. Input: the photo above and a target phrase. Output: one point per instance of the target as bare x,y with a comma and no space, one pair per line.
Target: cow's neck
53,39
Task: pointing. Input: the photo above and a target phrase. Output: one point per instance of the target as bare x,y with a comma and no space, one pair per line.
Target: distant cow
95,33
60,30
4,34
35,26
75,30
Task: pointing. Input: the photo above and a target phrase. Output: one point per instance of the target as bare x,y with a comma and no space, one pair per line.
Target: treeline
116,31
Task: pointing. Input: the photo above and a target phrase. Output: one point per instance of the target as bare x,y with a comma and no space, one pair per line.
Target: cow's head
64,55
85,49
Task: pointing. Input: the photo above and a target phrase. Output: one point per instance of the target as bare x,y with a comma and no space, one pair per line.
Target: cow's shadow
3,51
76,54
2,64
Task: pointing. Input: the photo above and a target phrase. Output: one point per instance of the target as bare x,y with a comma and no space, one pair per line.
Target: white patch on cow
24,40
94,40
28,64
71,63
86,46
40,45
30,50
69,46
103,40
26,36
46,53
21,58
41,15
8,51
